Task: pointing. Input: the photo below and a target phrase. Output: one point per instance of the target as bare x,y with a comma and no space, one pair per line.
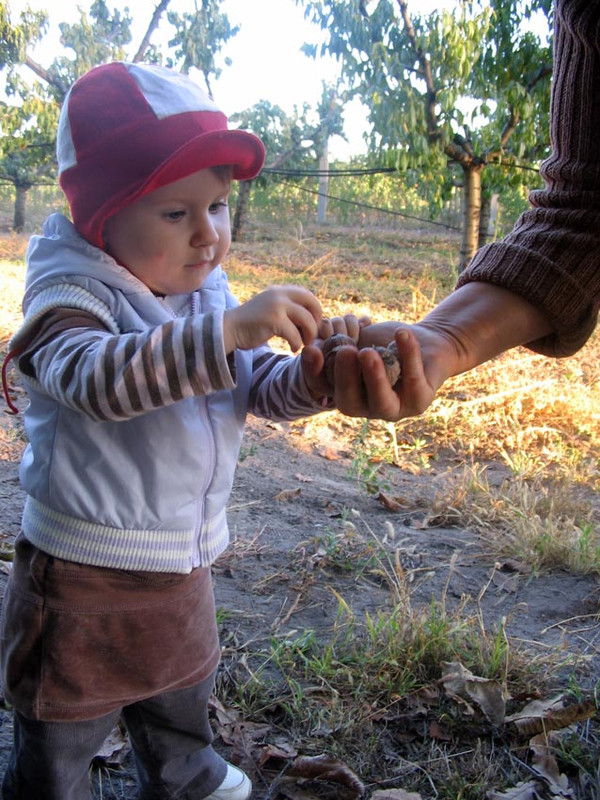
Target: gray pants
171,740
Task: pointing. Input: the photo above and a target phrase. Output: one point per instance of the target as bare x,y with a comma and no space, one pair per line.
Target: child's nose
204,233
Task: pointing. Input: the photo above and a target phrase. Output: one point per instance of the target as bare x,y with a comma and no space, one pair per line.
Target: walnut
392,347
390,362
389,356
330,349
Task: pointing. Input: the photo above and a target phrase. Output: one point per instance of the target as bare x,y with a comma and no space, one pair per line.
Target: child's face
172,238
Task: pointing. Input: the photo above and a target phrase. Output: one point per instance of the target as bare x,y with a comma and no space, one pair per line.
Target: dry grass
538,418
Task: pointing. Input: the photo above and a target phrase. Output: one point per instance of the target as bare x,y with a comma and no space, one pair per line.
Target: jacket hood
61,251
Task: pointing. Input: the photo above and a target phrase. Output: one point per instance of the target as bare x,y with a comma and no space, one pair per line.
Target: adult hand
361,385
470,326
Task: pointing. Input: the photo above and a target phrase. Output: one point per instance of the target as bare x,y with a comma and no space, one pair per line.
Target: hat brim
241,150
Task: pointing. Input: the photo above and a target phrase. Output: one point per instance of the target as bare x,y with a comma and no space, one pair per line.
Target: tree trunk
241,207
323,186
485,219
19,210
471,210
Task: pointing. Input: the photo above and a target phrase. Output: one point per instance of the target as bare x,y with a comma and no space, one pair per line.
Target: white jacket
137,483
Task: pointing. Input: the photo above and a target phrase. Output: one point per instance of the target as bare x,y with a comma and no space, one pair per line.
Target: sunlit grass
12,275
546,525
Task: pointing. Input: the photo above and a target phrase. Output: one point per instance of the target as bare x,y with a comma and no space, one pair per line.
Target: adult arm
540,286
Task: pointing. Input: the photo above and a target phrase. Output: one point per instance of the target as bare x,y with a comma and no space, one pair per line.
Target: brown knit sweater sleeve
552,256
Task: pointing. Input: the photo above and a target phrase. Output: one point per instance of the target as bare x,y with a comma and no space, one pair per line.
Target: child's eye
214,207
174,216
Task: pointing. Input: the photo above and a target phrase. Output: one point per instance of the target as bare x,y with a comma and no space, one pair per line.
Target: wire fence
45,197
370,207
284,176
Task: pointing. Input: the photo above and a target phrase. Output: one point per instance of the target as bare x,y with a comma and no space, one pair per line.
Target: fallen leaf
537,708
418,701
389,502
522,791
395,794
224,715
287,494
247,732
281,752
538,717
438,733
488,694
303,478
326,768
245,738
527,695
512,565
329,453
546,766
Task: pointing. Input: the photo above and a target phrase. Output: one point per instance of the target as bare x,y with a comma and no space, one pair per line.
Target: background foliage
456,101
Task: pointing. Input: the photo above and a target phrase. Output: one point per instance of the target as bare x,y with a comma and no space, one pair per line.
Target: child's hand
291,312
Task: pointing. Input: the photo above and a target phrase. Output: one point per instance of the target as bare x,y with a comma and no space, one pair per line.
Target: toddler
140,367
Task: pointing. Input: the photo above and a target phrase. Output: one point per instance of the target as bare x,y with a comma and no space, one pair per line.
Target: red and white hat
128,129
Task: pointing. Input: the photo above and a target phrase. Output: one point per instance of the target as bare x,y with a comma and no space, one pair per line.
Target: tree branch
425,71
456,152
545,71
509,127
145,43
514,118
46,76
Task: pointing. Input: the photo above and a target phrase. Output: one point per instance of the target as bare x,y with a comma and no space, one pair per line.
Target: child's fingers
349,325
325,328
298,327
306,299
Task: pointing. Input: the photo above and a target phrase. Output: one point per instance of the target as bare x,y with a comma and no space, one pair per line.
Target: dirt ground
294,500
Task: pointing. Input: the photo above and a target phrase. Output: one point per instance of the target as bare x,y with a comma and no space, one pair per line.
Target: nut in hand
392,348
331,346
336,341
389,356
391,363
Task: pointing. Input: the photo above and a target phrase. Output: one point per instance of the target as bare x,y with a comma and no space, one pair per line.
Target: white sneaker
236,786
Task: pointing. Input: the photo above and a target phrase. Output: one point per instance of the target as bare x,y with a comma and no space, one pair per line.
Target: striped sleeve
279,391
116,377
